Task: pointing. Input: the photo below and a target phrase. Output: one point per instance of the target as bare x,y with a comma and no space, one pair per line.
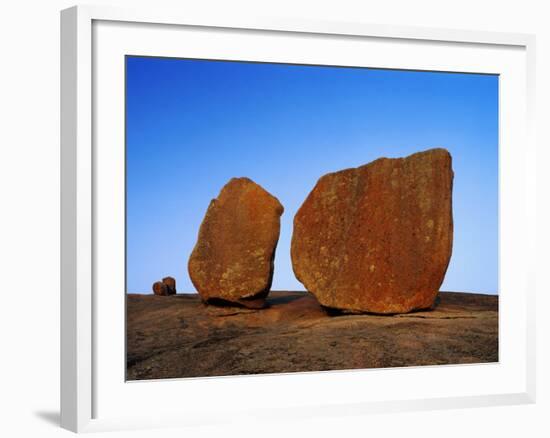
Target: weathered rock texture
178,336
170,283
233,258
377,238
159,288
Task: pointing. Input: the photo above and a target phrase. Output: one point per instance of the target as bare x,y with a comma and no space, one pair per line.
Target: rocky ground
178,336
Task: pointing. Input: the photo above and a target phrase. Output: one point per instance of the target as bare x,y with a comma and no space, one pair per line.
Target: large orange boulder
232,261
377,238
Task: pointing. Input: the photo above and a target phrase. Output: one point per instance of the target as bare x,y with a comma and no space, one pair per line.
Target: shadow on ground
51,417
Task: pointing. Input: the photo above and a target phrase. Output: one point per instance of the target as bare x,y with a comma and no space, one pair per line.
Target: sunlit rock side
377,238
234,255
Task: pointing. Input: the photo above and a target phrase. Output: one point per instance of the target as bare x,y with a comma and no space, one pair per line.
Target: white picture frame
86,379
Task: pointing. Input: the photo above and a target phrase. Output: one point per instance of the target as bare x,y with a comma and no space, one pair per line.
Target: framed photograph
265,217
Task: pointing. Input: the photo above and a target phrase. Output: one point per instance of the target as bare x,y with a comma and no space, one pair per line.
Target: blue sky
191,125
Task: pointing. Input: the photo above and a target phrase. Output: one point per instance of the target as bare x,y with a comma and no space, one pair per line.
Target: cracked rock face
377,238
232,261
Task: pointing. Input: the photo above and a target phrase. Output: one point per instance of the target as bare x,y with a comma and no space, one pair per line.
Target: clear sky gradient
192,125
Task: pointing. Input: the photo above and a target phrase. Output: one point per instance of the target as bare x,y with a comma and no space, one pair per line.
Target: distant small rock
377,238
232,261
170,283
159,288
